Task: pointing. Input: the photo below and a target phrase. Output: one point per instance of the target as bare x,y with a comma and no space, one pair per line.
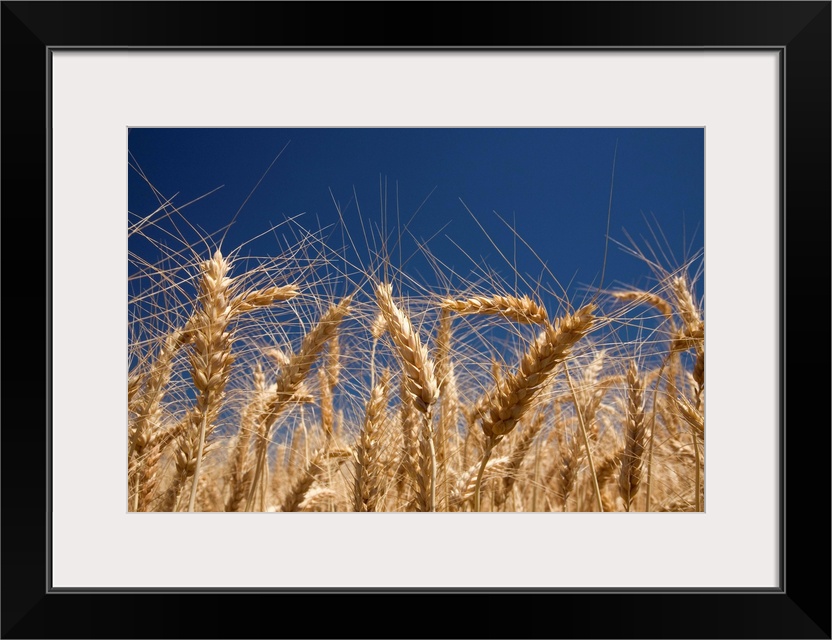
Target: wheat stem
579,410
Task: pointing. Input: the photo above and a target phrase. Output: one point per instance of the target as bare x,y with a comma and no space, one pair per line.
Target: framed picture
725,105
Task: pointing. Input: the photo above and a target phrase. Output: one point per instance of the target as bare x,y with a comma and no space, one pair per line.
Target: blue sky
552,185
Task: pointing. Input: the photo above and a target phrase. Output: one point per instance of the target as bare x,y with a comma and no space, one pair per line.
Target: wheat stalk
524,310
240,478
419,383
644,297
263,298
314,470
518,455
515,394
420,378
211,362
288,383
462,490
629,479
369,467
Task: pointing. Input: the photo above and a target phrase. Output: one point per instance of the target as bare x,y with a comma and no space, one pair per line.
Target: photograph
460,319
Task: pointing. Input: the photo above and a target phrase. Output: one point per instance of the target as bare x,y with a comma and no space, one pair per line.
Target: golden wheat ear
211,362
421,388
515,394
289,384
524,309
369,463
420,378
632,458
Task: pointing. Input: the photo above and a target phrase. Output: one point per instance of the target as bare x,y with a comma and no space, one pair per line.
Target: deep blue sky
553,184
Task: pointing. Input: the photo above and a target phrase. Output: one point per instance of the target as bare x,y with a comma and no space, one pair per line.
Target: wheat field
308,382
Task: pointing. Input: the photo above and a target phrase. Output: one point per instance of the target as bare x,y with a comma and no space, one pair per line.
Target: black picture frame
799,608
